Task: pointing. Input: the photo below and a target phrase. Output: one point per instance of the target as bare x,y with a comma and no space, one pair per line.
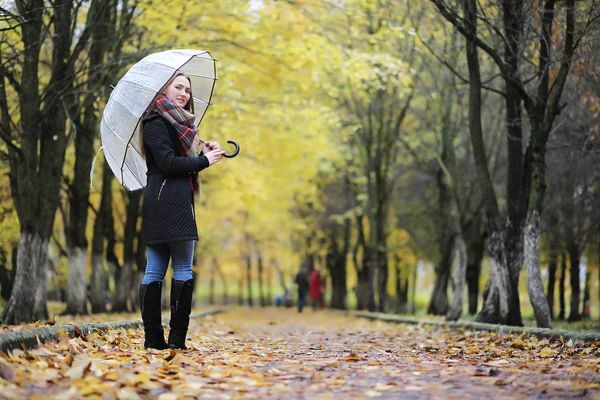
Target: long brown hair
189,107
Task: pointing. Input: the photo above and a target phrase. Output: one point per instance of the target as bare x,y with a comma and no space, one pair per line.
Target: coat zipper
161,188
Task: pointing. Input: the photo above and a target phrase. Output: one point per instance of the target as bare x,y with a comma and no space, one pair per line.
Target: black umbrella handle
235,152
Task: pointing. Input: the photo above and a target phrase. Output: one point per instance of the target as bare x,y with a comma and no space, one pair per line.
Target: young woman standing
171,148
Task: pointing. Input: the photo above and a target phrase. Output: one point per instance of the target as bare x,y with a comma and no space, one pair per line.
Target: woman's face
179,91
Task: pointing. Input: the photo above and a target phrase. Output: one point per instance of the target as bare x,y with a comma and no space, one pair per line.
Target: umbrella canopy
130,101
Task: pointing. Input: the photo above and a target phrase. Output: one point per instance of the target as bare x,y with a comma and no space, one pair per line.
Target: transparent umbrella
130,102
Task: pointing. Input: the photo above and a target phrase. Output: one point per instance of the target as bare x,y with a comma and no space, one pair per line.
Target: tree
519,238
37,137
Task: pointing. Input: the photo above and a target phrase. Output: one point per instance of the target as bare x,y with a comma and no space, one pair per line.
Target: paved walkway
278,353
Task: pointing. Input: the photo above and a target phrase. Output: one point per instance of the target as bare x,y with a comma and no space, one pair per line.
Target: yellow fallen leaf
110,376
78,370
88,390
142,377
546,352
352,357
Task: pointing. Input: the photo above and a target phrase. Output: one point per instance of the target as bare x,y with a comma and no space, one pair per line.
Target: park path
281,354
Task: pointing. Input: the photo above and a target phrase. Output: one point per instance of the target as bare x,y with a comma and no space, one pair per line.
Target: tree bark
7,276
335,261
535,288
77,281
31,275
249,279
458,276
585,313
552,260
99,279
223,280
401,287
362,268
124,289
574,255
561,287
475,241
211,284
438,304
261,284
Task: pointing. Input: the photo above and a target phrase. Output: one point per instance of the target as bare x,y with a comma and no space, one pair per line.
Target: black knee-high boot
150,305
181,307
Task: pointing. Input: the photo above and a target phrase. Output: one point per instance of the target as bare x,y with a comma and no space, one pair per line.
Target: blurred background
358,125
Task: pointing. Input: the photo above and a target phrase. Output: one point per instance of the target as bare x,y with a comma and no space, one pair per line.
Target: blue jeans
301,299
181,255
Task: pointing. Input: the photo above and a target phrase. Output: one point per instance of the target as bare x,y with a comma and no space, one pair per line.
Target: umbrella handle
235,152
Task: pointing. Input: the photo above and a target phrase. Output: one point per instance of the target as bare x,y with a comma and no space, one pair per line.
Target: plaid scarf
183,122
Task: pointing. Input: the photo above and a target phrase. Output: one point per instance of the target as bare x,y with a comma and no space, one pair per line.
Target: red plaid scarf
183,122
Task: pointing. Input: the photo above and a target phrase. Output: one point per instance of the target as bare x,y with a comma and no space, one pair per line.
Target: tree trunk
475,241
241,289
211,284
552,259
26,303
497,303
382,280
261,296
223,280
499,306
249,279
77,281
84,153
140,271
574,255
413,296
124,289
336,265
586,294
535,288
552,263
561,287
99,278
438,305
370,264
269,284
401,287
7,276
458,276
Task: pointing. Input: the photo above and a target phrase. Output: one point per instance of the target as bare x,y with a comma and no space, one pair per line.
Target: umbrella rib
202,101
201,76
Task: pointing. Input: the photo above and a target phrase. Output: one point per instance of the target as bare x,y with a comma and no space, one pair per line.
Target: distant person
287,298
283,299
302,282
316,289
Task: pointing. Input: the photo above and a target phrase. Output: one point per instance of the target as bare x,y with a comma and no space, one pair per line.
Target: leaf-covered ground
278,353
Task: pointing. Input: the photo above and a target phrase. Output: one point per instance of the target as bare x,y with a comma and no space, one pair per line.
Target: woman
316,289
170,145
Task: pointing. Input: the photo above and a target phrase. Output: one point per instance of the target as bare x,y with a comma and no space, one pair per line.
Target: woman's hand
214,156
208,146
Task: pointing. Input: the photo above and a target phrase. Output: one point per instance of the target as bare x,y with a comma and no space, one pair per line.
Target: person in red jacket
316,289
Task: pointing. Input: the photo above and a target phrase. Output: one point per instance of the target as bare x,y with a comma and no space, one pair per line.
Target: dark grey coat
168,213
